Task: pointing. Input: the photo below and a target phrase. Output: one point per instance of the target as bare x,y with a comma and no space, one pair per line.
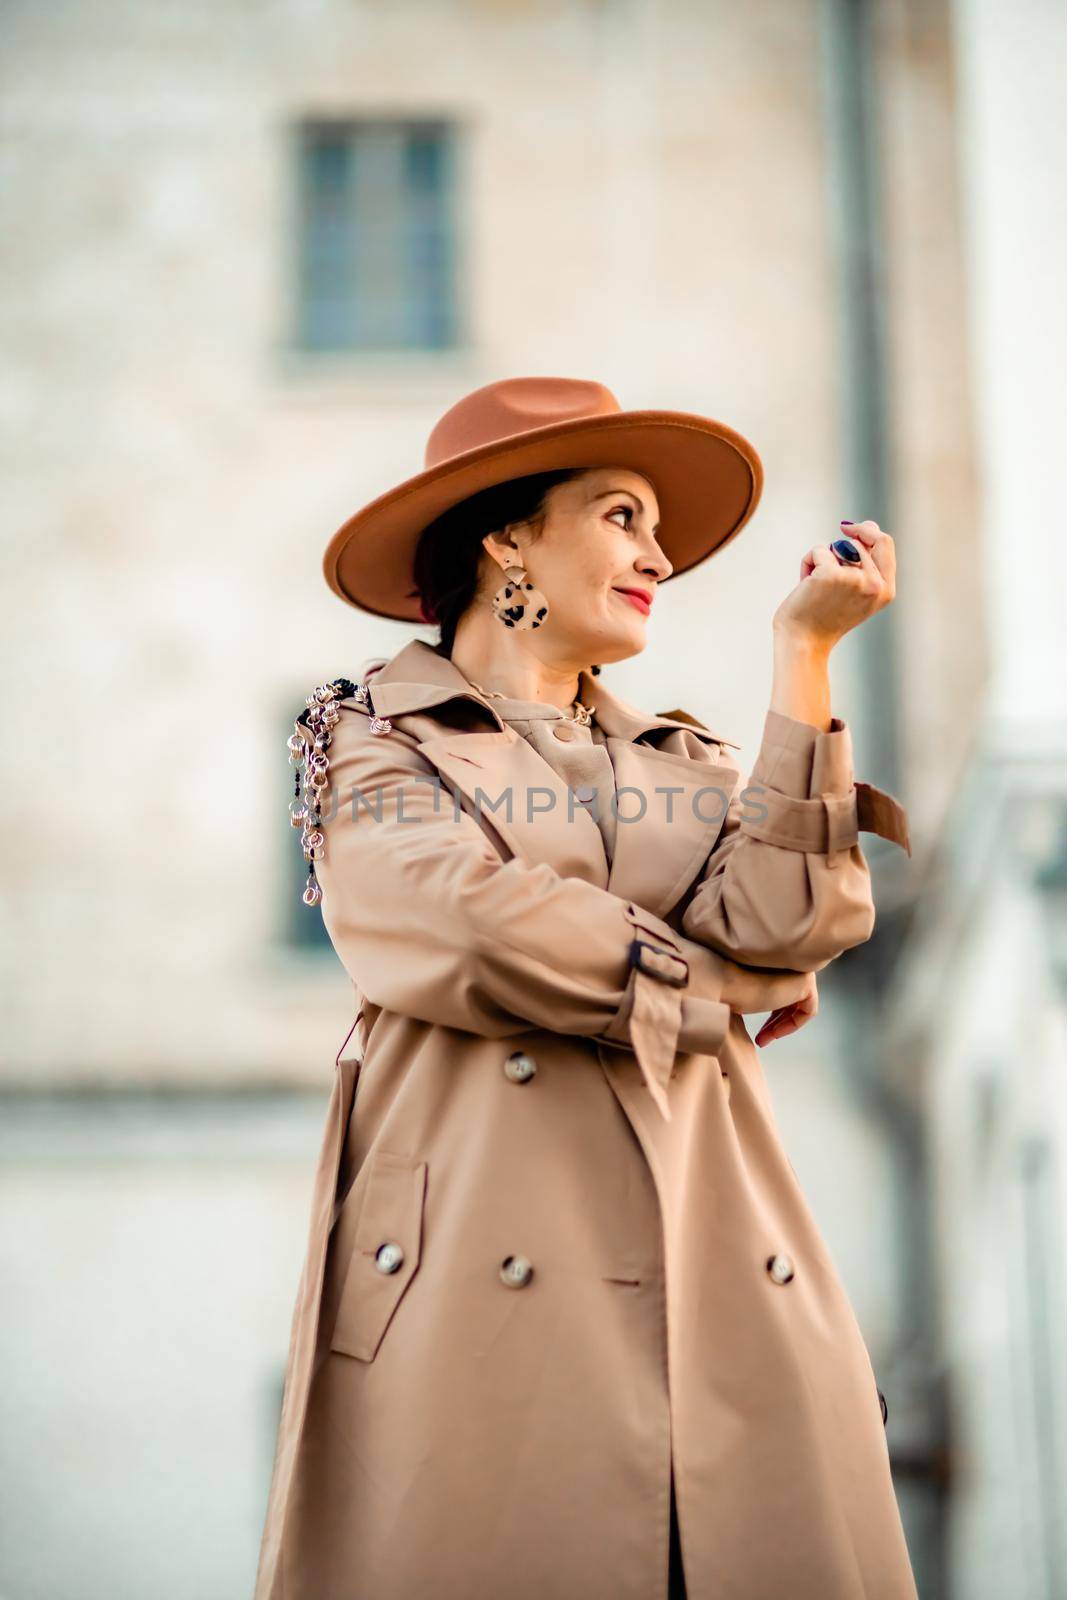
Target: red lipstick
641,599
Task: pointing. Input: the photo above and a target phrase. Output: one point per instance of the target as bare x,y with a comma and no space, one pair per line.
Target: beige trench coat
556,1244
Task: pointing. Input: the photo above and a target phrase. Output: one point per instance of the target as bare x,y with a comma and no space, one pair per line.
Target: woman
566,1325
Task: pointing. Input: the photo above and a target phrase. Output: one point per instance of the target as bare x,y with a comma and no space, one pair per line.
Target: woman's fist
791,997
787,1019
831,598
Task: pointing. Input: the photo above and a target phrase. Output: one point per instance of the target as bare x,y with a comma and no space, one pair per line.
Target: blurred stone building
250,255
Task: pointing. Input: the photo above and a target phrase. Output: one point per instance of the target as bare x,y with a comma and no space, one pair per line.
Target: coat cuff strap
828,824
881,813
654,1007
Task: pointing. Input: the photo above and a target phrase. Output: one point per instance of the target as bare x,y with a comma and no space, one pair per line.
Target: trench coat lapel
670,806
520,795
670,811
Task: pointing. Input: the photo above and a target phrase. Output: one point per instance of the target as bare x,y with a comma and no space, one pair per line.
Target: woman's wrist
801,682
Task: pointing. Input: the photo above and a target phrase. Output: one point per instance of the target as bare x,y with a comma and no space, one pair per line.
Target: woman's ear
502,550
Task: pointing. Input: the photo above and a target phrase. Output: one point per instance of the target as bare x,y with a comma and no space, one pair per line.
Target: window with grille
376,224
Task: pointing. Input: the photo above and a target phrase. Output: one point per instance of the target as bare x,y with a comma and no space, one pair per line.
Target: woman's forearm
801,684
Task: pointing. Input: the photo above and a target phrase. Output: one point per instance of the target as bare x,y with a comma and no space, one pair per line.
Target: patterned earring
518,603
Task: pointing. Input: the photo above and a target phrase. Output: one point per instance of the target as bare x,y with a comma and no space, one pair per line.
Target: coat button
563,730
520,1067
516,1271
389,1257
780,1268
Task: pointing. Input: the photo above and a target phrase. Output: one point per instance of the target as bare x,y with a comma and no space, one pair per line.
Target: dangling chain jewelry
582,714
305,808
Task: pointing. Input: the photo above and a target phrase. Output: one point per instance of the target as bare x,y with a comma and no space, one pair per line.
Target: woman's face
598,539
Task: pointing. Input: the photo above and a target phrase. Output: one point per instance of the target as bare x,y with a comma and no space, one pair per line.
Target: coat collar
418,679
671,805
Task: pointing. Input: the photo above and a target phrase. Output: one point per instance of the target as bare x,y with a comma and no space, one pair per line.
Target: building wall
176,470
980,1000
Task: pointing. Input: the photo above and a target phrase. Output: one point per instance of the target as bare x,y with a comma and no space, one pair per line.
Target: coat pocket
385,1253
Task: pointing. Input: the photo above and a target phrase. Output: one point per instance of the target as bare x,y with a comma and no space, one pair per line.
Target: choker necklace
580,713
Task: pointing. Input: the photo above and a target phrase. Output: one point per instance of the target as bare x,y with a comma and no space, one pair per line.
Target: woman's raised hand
832,598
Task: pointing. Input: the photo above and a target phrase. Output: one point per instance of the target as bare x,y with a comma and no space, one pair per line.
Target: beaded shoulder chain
312,763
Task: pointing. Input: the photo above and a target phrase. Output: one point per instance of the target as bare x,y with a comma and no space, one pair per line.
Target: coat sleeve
787,884
430,921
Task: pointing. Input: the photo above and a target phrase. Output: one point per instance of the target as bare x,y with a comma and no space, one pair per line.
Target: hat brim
708,481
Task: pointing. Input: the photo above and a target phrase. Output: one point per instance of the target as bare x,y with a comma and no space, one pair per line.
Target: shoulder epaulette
683,716
686,717
320,716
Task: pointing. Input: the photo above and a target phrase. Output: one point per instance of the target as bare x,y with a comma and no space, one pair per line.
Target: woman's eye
629,510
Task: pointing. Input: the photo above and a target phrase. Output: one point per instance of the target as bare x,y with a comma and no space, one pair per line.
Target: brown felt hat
707,477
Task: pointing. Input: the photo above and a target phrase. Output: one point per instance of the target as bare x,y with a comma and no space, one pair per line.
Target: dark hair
449,551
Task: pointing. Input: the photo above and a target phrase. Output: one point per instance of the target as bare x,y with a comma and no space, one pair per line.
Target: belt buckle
678,981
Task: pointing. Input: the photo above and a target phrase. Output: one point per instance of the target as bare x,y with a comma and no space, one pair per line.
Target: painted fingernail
846,524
